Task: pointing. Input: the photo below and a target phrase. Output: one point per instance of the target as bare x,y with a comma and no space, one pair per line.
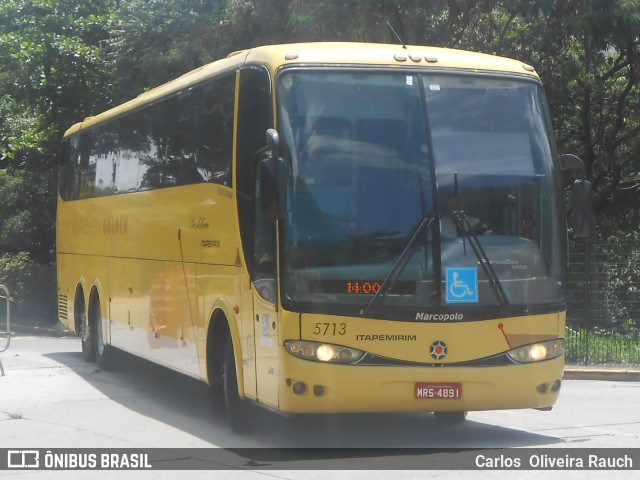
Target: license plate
439,391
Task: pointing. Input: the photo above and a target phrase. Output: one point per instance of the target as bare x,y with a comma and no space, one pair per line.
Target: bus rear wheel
237,408
104,353
86,337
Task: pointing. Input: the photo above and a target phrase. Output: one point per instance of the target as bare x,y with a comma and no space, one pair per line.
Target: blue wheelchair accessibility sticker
462,285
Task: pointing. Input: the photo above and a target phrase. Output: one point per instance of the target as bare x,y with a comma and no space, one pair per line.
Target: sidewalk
597,372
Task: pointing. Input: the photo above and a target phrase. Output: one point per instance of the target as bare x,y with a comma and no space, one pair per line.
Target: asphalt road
51,398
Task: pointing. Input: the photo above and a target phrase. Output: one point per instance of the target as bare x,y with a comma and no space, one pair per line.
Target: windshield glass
374,154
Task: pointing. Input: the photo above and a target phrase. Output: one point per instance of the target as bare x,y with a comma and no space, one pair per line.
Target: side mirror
64,151
272,180
572,168
582,201
582,205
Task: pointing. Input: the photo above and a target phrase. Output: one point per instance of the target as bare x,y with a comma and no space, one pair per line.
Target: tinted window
215,131
184,139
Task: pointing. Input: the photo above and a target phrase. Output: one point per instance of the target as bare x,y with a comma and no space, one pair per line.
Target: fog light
299,388
318,390
556,385
542,388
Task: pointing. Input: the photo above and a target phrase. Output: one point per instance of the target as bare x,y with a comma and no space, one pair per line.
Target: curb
611,374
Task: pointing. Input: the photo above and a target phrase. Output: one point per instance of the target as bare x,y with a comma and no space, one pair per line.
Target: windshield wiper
398,267
462,222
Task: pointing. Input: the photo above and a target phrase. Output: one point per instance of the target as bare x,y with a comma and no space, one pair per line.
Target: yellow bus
325,228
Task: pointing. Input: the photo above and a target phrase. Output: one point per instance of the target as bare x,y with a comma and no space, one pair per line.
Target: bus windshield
376,157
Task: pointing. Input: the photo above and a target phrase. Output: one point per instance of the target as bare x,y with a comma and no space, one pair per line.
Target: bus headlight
323,352
537,352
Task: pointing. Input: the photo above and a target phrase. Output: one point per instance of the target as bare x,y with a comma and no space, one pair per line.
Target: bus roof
321,53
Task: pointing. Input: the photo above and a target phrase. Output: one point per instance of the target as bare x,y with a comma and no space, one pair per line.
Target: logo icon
462,285
438,350
23,459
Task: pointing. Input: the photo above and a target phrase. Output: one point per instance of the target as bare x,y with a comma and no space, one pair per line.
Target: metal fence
603,311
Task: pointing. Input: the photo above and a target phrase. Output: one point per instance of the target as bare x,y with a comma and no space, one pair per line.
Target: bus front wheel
237,408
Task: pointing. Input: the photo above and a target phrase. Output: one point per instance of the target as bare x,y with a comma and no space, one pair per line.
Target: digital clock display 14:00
365,288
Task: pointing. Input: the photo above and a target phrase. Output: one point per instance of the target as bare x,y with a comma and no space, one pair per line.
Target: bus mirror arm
273,180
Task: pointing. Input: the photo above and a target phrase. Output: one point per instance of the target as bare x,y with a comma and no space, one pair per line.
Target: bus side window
215,131
69,180
154,123
134,143
86,165
103,155
180,160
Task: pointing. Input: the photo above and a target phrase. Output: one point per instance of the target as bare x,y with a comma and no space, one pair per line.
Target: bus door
266,345
254,112
264,287
254,117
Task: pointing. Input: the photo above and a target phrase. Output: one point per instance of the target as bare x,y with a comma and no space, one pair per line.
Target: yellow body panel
173,224
161,258
355,388
466,341
360,388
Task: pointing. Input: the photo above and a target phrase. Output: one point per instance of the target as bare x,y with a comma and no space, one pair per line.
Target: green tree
587,53
152,41
53,69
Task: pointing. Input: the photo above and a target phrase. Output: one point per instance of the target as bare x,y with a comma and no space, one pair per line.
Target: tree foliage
52,69
61,60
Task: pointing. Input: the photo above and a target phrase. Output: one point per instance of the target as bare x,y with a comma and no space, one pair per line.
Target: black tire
237,408
450,418
86,336
104,353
